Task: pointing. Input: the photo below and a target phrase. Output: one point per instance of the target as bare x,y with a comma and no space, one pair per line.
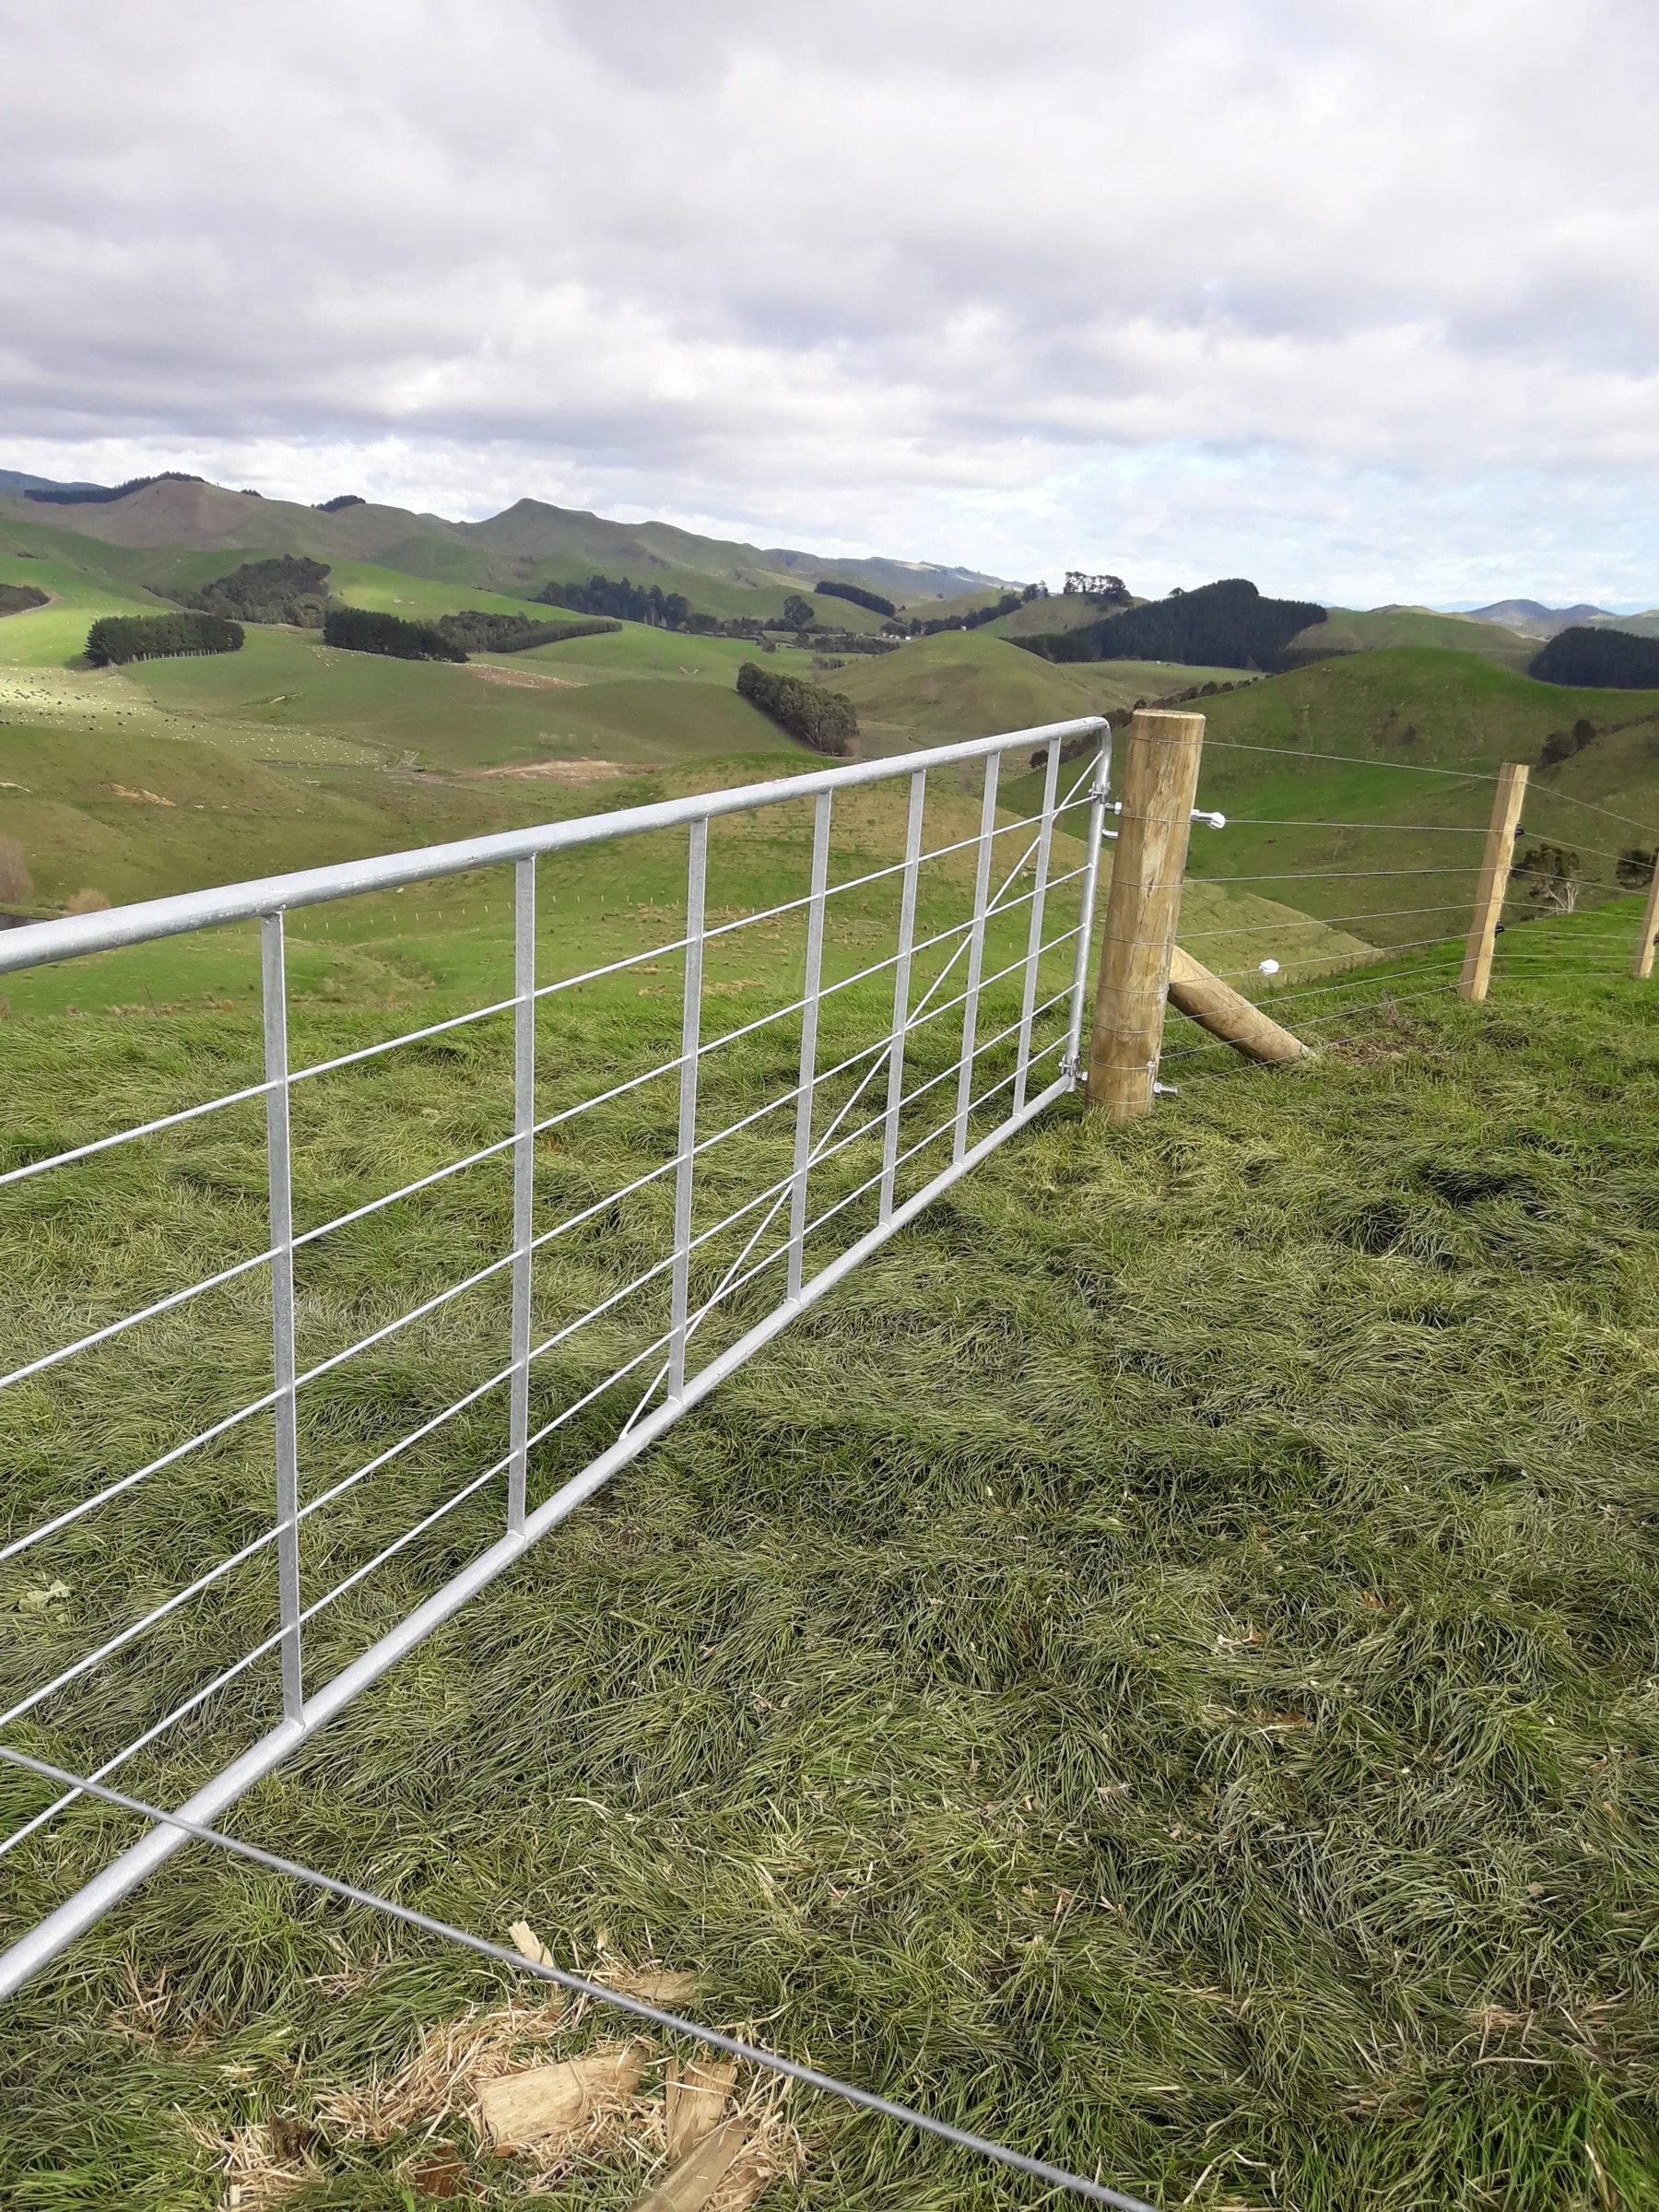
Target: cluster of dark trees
346,499
99,495
1634,867
113,640
1226,625
1560,744
16,598
626,602
1600,660
1552,876
357,629
288,588
1108,591
827,720
855,596
475,632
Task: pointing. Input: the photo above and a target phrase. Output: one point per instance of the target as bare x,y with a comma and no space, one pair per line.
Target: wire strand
595,1991
1410,767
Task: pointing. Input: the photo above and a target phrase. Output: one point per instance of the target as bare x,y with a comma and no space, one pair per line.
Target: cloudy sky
1358,298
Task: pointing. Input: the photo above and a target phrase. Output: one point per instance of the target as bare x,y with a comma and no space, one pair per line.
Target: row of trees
475,632
358,630
827,720
855,596
626,602
100,495
975,619
114,640
18,598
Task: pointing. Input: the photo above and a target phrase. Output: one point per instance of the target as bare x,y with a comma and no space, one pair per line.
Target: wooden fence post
1160,781
1643,962
1496,863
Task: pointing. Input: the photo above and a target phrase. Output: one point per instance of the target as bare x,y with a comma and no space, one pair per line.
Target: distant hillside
1350,629
529,544
18,481
1534,619
1224,625
1645,624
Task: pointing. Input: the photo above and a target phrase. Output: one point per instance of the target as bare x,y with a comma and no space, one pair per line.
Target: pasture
1157,1668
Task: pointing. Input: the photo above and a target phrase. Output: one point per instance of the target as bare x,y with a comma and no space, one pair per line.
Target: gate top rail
69,936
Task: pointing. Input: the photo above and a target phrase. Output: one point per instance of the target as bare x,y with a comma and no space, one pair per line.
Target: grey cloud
919,275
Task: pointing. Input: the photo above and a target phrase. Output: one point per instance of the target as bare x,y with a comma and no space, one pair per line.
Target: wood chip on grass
440,2080
523,2110
666,1986
690,2182
697,2093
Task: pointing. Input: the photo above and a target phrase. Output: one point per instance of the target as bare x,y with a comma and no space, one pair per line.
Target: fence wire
452,1362
1555,880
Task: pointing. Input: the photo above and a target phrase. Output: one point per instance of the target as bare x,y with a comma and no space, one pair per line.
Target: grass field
1351,629
1159,1668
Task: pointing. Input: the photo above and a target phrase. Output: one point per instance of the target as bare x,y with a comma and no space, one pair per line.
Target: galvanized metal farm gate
996,1080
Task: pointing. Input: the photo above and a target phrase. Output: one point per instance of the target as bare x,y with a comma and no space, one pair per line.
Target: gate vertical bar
279,1181
901,977
809,1028
524,1179
976,954
1094,837
690,1037
1051,785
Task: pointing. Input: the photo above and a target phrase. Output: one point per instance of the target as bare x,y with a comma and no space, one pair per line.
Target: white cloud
1362,299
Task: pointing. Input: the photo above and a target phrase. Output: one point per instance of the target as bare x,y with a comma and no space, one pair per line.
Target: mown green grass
1160,1667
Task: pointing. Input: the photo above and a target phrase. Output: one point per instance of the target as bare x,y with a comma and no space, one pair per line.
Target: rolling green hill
81,588
529,544
971,683
1347,629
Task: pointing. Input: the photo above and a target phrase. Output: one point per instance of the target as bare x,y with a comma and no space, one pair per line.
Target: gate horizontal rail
850,1123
